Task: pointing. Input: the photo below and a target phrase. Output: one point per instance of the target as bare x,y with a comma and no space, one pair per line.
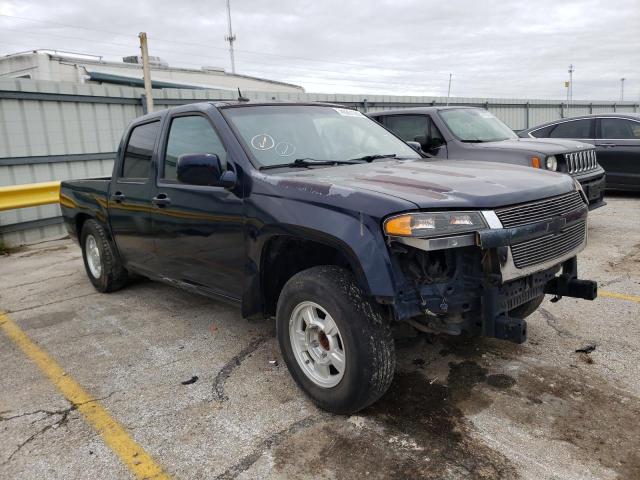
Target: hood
434,183
546,146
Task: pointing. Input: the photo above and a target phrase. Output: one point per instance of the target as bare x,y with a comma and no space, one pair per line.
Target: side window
543,132
137,156
408,127
573,129
193,134
619,128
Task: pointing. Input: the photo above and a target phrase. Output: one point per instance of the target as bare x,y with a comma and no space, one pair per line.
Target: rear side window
573,129
192,134
543,132
408,127
619,128
137,156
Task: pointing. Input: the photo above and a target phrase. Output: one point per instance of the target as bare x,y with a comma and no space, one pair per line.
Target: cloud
405,47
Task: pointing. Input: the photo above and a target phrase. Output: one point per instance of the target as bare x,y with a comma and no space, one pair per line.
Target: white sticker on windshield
346,112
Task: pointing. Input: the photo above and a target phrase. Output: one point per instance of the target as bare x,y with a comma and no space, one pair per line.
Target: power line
160,50
208,46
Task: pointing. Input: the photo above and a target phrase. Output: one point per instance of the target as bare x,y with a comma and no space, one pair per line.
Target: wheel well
284,256
80,220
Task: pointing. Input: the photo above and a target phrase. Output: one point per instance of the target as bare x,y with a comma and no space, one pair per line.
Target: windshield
280,134
475,125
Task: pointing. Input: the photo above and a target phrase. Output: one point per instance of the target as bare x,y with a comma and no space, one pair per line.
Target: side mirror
422,140
200,169
415,145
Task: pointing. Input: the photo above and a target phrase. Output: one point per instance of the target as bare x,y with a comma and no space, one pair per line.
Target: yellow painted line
29,195
115,436
621,296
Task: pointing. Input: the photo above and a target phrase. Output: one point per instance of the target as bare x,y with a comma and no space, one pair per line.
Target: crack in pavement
51,303
39,281
272,440
63,413
553,322
231,365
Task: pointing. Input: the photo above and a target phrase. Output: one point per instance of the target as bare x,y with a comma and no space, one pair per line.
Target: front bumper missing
502,285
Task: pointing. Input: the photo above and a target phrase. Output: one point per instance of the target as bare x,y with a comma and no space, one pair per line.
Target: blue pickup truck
320,217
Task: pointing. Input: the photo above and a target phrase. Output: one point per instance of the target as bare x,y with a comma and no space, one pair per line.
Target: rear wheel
102,264
335,341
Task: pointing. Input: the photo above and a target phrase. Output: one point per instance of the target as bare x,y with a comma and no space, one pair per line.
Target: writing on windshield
280,134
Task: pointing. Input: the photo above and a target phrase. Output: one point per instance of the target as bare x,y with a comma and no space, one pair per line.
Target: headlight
552,163
433,224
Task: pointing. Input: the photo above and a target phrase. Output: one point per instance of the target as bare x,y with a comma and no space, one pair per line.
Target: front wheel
335,341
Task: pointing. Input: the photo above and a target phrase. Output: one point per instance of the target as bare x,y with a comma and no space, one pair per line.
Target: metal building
56,66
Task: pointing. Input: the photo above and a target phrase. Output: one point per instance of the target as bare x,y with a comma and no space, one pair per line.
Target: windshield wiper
370,158
307,162
475,140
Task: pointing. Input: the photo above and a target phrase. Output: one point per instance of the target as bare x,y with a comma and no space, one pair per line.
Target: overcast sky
504,48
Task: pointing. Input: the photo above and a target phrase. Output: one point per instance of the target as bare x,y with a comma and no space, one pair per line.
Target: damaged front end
490,269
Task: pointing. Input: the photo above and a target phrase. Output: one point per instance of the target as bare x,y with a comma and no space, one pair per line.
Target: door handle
118,197
608,145
161,200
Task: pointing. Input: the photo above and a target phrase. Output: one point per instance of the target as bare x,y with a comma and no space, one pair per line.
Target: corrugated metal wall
61,131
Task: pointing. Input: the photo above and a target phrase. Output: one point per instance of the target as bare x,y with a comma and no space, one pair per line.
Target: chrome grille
539,211
582,161
540,250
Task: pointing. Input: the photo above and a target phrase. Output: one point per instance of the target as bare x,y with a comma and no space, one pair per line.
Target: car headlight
552,163
433,224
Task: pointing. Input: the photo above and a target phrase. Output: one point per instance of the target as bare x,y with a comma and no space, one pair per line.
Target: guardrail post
526,112
143,101
364,105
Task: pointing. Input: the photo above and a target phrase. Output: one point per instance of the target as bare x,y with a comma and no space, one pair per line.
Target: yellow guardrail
29,195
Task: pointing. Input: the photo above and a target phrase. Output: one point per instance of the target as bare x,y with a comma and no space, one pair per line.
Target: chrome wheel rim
93,256
317,344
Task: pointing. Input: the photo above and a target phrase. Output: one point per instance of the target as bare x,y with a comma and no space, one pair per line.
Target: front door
198,230
129,201
618,150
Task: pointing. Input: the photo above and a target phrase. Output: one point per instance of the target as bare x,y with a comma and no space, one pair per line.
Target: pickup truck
476,134
320,217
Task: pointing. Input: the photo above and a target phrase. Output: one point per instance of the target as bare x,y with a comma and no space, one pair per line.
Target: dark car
317,215
476,134
616,137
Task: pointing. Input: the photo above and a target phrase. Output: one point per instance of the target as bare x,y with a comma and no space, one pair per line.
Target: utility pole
570,91
230,38
146,71
622,89
449,90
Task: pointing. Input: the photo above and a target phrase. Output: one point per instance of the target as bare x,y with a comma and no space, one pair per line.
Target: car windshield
281,134
475,125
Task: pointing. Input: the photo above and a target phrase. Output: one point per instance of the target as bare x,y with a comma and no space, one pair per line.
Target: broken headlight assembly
433,224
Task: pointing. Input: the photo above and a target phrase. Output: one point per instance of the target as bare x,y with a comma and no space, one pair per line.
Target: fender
357,237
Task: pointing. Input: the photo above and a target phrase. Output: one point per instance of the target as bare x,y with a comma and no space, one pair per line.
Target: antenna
230,38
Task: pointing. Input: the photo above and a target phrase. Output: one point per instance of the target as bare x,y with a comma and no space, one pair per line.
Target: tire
363,337
106,273
526,309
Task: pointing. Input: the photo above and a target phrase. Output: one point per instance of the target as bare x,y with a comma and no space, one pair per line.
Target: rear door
129,201
198,230
581,130
618,149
